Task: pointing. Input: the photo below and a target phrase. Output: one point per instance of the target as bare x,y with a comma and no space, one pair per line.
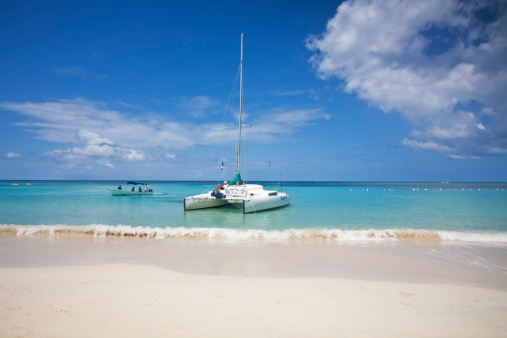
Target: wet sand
85,286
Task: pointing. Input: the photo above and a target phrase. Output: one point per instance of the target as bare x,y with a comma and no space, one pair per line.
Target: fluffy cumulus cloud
92,146
442,64
98,134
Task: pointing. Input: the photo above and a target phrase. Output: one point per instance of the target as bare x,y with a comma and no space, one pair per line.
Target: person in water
119,188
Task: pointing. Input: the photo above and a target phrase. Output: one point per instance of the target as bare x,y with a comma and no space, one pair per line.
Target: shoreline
291,235
87,286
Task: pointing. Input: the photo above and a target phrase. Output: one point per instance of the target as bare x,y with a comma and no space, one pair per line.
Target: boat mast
240,104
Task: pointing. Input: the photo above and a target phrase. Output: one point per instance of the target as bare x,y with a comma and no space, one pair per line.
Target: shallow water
327,211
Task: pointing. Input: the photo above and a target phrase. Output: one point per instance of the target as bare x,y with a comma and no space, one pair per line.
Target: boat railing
276,187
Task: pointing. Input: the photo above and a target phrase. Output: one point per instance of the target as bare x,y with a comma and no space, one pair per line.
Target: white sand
116,300
77,287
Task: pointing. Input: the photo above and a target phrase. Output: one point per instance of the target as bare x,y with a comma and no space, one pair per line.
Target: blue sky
344,91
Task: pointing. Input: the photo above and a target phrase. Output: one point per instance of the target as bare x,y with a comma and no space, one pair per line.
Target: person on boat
133,189
218,194
119,188
146,187
220,187
140,189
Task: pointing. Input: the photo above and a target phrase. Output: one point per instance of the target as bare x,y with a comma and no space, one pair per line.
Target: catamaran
250,197
132,189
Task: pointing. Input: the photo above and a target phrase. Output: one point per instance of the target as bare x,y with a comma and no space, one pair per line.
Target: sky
379,90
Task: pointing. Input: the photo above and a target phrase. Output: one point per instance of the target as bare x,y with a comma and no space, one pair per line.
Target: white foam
497,237
101,230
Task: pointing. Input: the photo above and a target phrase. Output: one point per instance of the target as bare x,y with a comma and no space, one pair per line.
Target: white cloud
283,120
428,145
12,155
88,137
105,163
102,135
57,121
273,125
464,157
132,155
95,148
425,60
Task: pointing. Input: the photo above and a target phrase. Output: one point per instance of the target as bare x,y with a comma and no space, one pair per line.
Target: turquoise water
345,210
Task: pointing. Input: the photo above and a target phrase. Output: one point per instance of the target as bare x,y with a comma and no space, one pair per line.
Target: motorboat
249,197
131,189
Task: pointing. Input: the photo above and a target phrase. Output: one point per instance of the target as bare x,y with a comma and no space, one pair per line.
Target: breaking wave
327,235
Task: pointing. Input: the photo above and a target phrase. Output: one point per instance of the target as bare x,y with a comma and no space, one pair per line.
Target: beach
344,259
78,285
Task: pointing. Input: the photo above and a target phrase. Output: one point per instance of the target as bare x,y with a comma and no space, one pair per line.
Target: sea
322,212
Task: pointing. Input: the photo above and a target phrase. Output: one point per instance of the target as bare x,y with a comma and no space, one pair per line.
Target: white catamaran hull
117,192
267,202
203,201
249,197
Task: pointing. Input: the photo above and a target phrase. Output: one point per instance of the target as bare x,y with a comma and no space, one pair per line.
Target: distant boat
28,183
250,197
132,189
15,183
